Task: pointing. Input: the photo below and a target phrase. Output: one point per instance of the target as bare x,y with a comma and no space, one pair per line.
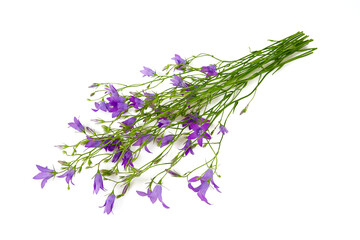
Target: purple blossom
136,102
103,106
111,144
109,203
205,181
209,70
163,122
77,125
45,174
93,143
126,160
193,118
154,195
177,81
69,175
187,148
147,72
199,132
149,96
178,60
165,140
129,123
98,183
144,139
116,105
223,130
112,91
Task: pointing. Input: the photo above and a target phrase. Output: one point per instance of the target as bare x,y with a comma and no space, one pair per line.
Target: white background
290,166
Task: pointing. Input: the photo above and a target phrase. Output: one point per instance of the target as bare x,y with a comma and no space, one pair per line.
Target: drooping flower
205,181
98,183
209,70
109,203
154,195
144,139
177,81
192,118
178,60
147,72
136,102
187,148
77,125
199,132
165,140
116,105
129,123
45,174
163,122
69,175
223,130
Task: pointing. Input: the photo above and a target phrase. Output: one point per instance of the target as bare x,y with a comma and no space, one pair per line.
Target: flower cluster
192,112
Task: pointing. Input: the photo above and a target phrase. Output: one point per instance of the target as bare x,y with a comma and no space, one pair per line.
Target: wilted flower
45,174
154,195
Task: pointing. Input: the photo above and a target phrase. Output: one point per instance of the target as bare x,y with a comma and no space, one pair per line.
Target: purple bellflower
187,148
165,140
45,174
178,60
205,181
154,195
223,130
116,105
103,106
69,175
209,70
112,91
199,132
163,122
129,123
177,81
98,183
144,139
77,125
147,72
109,203
136,102
126,160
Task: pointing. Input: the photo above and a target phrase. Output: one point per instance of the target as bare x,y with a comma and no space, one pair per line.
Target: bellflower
126,161
165,140
178,60
163,122
177,81
209,70
98,183
199,132
112,91
154,195
103,106
147,72
144,139
187,148
129,123
116,105
136,102
69,175
223,130
205,181
77,125
109,203
45,174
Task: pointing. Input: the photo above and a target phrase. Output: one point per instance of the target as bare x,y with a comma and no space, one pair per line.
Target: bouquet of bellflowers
177,112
